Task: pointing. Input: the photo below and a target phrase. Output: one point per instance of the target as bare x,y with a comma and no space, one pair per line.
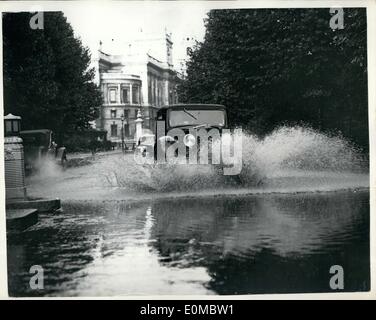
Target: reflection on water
218,245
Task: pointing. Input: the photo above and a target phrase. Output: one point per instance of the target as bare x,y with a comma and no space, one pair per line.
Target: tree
47,79
283,66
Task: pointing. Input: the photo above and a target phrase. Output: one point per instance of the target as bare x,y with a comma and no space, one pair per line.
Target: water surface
262,243
301,206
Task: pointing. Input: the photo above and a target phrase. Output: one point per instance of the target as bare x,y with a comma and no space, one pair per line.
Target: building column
156,91
130,93
167,93
119,93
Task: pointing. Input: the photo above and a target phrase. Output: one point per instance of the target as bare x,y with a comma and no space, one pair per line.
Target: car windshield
188,117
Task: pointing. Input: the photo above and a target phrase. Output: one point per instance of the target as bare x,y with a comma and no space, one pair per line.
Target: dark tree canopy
283,66
47,79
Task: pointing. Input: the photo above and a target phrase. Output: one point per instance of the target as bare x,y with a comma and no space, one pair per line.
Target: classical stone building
137,75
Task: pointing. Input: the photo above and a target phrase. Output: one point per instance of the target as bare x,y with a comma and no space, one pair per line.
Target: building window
125,95
126,115
114,130
126,130
149,91
159,94
135,94
113,113
112,95
155,92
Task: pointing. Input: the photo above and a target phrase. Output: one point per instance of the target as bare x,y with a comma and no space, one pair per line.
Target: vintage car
39,147
185,117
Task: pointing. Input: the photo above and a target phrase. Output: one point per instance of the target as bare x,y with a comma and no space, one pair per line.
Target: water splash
45,168
291,154
299,148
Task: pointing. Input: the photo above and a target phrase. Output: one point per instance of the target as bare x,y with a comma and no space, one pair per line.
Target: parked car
40,147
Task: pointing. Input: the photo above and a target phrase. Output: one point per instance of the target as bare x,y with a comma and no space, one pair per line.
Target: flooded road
218,245
134,230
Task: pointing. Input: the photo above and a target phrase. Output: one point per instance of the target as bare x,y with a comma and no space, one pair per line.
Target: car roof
194,106
44,131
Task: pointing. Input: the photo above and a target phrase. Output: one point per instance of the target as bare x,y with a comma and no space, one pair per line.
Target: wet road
212,245
130,230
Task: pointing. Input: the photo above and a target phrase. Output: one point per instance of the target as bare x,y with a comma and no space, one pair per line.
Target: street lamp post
122,133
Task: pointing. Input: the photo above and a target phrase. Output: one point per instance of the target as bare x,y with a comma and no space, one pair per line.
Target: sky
122,20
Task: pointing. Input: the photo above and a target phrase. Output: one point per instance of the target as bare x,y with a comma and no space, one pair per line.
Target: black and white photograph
176,148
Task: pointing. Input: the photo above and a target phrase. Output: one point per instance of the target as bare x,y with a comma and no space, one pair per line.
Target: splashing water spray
289,156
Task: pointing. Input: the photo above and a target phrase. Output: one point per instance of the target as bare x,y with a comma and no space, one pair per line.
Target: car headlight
189,140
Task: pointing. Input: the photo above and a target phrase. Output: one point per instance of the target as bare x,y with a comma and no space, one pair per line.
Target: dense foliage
283,66
88,140
47,79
